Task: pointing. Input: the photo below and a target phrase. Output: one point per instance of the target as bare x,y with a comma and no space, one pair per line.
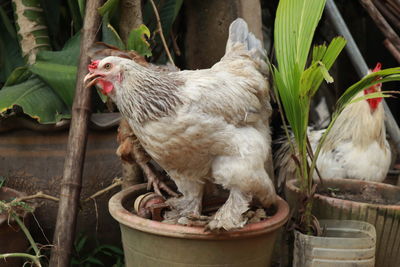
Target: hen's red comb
93,65
377,67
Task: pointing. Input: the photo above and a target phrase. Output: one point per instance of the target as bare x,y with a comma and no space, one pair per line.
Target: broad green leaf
58,69
10,52
60,77
295,24
74,8
110,35
19,75
137,40
36,99
69,55
82,5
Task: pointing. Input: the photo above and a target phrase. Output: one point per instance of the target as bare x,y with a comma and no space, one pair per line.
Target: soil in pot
368,193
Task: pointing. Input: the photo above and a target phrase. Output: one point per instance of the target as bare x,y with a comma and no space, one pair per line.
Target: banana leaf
36,99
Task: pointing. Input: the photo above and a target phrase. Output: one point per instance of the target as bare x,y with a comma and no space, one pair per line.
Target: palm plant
296,82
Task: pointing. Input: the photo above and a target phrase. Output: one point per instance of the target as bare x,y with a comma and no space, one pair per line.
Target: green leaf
76,14
327,77
333,51
383,76
94,261
370,96
60,77
58,69
81,243
7,23
110,35
108,7
69,55
82,5
36,100
19,75
10,52
137,40
167,9
114,249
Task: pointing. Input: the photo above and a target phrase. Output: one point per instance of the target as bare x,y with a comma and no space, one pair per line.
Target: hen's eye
107,66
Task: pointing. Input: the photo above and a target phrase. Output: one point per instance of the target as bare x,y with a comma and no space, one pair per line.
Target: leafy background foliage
45,90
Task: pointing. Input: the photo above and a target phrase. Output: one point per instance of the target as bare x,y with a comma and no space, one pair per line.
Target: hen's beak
91,79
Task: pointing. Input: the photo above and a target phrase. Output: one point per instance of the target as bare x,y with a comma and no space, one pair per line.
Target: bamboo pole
73,167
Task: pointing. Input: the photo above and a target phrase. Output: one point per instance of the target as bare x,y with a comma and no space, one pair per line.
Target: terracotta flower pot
151,243
12,239
385,218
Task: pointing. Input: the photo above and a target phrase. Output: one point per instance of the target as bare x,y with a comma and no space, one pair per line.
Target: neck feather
146,95
359,124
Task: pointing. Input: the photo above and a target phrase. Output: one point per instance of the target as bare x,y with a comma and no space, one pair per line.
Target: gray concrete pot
385,218
346,244
150,243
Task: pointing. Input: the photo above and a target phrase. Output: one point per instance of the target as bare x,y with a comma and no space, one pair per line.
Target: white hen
355,148
201,125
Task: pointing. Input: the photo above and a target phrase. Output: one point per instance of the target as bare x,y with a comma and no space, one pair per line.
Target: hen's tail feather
239,33
283,162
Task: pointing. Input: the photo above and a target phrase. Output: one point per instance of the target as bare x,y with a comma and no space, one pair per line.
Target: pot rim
123,216
290,184
359,226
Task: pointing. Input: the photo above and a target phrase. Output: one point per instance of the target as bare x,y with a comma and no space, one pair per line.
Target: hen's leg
188,205
229,216
244,175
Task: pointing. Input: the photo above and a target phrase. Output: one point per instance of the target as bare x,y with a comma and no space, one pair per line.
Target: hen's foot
230,215
185,207
156,183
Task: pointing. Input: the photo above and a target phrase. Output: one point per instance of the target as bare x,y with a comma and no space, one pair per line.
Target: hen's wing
236,87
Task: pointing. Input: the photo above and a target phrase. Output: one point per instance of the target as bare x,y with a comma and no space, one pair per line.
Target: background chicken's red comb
377,67
93,65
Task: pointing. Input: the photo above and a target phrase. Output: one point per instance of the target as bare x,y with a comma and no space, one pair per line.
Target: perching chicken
356,146
201,125
130,150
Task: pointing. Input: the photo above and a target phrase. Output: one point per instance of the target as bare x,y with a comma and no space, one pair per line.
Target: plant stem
33,258
161,32
27,233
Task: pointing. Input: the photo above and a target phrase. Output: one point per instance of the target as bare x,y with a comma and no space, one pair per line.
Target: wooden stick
395,53
394,19
73,166
39,194
381,23
161,32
